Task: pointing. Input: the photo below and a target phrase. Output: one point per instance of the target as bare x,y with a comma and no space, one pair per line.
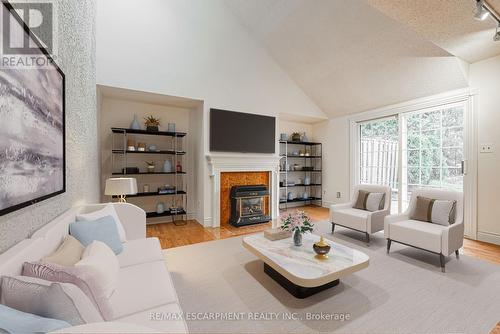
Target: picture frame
32,130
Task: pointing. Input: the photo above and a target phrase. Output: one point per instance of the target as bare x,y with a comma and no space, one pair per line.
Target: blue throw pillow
17,322
102,229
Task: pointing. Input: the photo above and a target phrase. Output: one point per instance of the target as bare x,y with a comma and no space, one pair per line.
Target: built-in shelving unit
119,164
300,159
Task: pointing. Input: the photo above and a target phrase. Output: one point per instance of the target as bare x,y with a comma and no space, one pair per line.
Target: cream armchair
360,220
434,238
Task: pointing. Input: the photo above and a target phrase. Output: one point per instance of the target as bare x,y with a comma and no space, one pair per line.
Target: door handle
464,167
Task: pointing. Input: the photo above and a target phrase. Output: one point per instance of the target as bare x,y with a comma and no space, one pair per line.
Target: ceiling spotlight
480,13
496,38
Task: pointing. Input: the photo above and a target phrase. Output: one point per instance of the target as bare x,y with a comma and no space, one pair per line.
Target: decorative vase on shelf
304,138
297,237
167,166
160,208
179,167
171,127
135,125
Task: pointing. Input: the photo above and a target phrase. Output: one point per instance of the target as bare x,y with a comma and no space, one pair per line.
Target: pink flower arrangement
297,221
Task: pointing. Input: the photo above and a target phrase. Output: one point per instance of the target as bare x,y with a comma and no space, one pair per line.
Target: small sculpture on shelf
130,145
178,167
152,123
141,147
151,166
295,136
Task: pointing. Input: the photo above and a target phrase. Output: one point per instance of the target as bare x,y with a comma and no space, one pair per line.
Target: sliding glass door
421,148
432,149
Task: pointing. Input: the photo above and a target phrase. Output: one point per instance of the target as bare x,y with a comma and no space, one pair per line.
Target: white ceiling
351,56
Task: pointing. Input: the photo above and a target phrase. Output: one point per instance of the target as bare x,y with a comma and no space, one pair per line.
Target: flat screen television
232,131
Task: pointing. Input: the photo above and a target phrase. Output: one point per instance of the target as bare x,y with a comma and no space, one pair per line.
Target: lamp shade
121,186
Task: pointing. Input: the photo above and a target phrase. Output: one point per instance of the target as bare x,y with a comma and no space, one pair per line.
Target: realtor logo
20,49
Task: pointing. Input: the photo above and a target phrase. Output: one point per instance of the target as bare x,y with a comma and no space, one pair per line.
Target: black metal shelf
309,199
169,152
307,143
291,171
302,156
302,185
151,133
146,173
155,193
167,213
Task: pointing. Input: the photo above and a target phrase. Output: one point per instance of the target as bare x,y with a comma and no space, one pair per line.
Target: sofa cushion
417,233
89,281
350,217
69,253
142,287
165,318
100,258
435,211
61,301
14,321
108,210
140,251
102,229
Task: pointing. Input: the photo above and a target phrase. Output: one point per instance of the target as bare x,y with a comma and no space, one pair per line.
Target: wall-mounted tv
232,131
32,124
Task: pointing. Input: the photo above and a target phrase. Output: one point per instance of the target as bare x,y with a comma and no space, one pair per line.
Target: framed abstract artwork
32,124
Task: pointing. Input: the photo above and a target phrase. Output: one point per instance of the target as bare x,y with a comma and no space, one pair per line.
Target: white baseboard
488,237
207,222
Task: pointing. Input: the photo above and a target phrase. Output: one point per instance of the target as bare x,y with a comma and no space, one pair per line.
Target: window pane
413,158
453,117
431,120
431,177
431,139
413,140
413,122
413,175
453,137
453,178
452,157
431,158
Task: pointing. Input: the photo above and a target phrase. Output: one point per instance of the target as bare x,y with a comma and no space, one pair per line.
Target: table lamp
121,186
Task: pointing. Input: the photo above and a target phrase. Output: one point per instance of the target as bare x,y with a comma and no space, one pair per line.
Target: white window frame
470,97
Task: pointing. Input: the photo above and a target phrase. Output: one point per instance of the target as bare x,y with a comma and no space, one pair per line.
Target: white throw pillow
375,201
443,212
108,210
100,258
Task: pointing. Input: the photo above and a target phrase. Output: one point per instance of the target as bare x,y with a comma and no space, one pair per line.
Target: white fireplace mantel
219,163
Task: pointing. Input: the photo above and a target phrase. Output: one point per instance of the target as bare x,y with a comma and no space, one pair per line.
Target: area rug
222,289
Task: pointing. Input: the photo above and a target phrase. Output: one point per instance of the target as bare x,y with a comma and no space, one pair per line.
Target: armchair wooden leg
388,245
441,259
367,238
457,254
333,227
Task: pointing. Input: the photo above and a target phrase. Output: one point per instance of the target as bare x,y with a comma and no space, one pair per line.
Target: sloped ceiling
349,56
448,24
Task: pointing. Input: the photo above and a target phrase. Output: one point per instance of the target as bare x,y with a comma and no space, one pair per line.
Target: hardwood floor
171,235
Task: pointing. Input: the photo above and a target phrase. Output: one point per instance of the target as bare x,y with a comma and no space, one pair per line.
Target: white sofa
144,293
434,238
361,220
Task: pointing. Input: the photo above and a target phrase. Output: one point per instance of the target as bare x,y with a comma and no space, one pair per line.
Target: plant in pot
151,166
298,223
152,123
295,136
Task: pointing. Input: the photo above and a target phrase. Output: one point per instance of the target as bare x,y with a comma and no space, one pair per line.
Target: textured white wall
76,57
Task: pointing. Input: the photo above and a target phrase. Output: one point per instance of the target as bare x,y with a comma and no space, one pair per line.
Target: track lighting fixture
480,13
496,38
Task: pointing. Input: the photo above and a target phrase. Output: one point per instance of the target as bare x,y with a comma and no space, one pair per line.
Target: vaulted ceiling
351,56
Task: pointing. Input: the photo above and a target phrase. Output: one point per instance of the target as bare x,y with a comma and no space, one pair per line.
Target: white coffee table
296,268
